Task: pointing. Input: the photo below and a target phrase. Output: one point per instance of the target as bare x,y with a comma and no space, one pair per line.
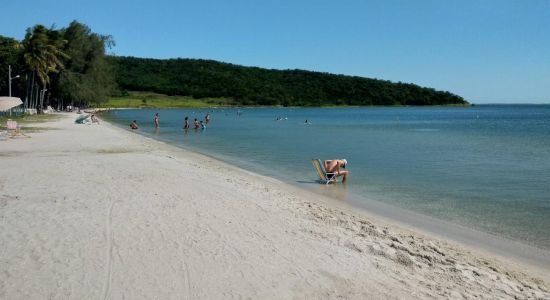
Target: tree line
57,67
66,66
257,86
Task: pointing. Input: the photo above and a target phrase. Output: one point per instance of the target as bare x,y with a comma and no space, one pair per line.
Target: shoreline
470,239
214,219
485,242
480,241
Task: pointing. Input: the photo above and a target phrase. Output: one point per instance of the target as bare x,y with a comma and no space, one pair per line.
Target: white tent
7,103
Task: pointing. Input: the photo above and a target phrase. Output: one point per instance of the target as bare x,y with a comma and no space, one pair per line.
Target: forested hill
257,86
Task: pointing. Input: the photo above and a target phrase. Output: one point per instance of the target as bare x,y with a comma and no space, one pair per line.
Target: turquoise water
485,167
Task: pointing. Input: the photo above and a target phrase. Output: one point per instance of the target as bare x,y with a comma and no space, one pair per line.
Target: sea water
486,167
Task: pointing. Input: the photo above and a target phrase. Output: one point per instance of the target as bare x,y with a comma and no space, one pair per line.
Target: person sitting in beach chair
333,166
323,176
330,169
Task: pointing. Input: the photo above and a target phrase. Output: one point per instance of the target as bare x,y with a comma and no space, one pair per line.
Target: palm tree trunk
28,84
31,94
48,98
37,103
42,94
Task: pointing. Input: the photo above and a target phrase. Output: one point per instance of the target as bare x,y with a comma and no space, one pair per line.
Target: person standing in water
207,118
156,120
186,123
195,124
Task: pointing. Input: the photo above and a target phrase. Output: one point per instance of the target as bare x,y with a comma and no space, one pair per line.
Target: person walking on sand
134,125
333,166
156,120
186,123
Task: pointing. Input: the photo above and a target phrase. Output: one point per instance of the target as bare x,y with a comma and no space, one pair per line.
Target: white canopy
9,102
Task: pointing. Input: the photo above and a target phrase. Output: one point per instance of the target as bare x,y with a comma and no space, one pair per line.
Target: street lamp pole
9,81
10,78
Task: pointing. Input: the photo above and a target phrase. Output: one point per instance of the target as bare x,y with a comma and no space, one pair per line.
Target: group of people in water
306,122
196,123
332,166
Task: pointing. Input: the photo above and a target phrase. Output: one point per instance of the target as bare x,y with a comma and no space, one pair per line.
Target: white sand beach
99,212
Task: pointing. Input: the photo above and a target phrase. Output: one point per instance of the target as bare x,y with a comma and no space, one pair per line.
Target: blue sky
486,51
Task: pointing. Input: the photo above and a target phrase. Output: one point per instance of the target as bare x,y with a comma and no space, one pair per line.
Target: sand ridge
101,212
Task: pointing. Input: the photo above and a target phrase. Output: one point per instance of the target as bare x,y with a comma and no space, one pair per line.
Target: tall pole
9,76
9,83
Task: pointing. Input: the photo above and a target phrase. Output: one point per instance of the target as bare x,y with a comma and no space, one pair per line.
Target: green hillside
256,86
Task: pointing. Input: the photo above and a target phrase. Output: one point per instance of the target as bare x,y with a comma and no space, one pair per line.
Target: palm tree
42,56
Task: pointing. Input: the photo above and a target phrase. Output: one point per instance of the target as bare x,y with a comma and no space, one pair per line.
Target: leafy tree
68,63
87,78
42,52
10,53
42,55
257,86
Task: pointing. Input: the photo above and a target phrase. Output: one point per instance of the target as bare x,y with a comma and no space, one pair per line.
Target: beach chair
83,119
14,129
324,177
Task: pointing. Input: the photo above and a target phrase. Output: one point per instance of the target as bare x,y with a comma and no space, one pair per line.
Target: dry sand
99,212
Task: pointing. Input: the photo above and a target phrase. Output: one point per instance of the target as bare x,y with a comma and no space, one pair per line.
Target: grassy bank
154,100
27,120
137,99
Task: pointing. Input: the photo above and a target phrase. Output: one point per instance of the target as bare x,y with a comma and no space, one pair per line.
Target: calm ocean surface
485,167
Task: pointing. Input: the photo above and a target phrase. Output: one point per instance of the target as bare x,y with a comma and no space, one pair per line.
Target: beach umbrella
9,102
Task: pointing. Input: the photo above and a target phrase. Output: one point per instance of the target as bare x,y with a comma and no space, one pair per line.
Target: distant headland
240,85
